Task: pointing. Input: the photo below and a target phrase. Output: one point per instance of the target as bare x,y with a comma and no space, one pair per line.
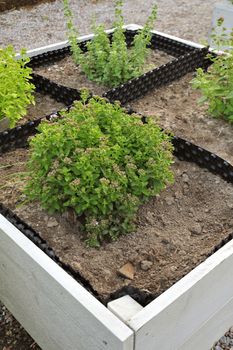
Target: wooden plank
124,308
56,311
194,312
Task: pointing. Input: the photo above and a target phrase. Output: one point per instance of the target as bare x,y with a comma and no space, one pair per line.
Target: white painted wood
124,308
60,45
194,312
57,312
223,9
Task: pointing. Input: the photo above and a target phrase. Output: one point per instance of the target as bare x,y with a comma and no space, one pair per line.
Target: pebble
127,271
217,347
185,178
225,340
146,265
196,229
52,222
169,200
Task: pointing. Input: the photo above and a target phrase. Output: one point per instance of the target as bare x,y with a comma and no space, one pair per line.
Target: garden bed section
175,59
167,230
177,109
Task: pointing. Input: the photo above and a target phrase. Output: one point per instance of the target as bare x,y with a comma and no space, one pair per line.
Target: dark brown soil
177,109
175,231
15,4
44,105
12,334
65,72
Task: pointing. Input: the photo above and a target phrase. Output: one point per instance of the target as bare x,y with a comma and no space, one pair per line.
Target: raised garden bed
194,312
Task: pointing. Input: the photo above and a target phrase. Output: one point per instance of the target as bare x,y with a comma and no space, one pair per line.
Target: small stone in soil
185,178
52,222
217,347
196,229
146,265
127,271
169,200
225,340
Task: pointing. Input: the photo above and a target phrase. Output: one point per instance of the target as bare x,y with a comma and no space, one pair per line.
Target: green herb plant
216,84
16,90
106,62
102,163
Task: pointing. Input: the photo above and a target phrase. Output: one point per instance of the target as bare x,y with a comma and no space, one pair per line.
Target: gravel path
44,24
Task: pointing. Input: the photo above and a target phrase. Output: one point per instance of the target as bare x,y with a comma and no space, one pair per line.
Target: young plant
111,63
216,84
15,86
101,162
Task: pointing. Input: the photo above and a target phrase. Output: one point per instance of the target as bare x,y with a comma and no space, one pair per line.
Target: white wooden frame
56,310
61,314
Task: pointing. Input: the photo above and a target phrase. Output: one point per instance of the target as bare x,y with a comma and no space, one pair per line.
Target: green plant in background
216,84
111,63
101,162
15,86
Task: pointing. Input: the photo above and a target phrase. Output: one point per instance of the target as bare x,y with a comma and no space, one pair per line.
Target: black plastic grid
186,59
158,77
58,92
160,42
183,150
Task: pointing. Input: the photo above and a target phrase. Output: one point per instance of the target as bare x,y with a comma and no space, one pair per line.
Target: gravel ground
44,24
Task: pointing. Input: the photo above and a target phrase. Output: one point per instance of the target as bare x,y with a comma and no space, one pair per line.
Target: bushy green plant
101,162
216,84
15,86
111,63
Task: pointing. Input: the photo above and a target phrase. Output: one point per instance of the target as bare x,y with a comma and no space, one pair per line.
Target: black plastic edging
58,92
42,244
187,59
183,150
158,41
160,76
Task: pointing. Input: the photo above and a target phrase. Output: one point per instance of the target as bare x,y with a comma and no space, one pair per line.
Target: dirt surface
12,334
65,72
178,110
44,105
175,230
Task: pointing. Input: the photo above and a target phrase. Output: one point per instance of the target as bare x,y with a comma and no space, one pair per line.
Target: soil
175,230
12,334
44,105
65,72
177,109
